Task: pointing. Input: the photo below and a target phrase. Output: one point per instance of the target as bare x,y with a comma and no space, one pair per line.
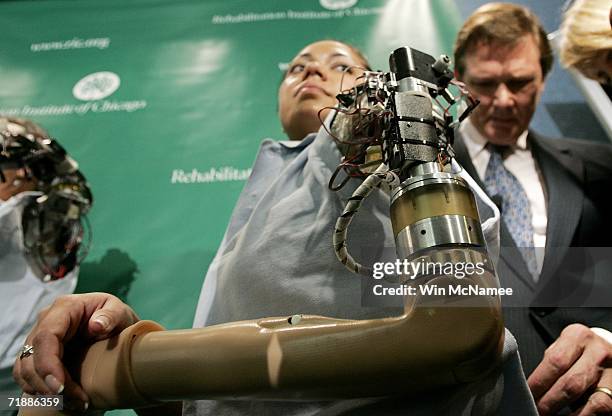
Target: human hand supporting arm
84,318
577,362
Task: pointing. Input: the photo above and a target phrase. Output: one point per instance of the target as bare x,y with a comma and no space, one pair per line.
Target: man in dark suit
553,199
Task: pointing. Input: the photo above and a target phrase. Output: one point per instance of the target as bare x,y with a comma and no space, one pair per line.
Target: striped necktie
516,210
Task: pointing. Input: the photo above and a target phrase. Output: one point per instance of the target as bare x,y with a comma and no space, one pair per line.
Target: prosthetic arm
394,136
53,223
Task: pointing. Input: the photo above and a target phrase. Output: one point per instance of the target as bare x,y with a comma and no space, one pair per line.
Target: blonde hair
502,23
586,35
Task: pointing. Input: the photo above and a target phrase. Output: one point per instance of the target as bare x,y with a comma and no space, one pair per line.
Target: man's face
312,83
508,81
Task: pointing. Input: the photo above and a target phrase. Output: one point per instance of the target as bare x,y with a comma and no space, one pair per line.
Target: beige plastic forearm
317,357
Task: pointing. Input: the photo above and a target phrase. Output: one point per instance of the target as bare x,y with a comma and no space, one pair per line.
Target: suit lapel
508,252
563,175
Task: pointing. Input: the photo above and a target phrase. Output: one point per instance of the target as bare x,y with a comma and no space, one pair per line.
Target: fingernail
102,320
54,384
85,406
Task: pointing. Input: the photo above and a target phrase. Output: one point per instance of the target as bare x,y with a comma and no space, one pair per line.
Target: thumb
101,323
112,316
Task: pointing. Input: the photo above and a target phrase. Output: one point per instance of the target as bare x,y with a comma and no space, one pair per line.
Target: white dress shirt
520,162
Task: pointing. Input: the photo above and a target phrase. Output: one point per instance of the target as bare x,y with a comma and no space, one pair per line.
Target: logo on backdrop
96,86
337,4
94,90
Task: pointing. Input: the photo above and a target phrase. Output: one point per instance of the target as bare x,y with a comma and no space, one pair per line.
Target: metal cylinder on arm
432,206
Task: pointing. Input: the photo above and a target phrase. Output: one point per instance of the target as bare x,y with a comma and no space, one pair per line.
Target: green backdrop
164,104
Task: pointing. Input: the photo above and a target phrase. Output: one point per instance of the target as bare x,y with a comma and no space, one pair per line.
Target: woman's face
312,83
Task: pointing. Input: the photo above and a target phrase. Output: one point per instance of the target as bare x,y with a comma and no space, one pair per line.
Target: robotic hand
388,121
53,222
396,133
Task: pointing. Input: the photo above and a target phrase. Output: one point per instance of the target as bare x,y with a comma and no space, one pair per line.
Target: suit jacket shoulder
595,156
